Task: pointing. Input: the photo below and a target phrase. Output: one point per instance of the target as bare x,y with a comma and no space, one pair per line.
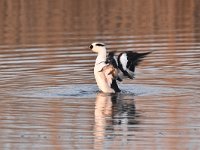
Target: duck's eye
91,46
100,44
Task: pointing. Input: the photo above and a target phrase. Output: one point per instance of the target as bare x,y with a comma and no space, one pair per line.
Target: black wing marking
114,86
135,58
111,60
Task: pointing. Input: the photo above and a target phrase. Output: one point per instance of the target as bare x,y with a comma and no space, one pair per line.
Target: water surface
49,98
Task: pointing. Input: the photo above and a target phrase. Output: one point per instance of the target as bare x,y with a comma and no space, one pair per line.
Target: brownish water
48,96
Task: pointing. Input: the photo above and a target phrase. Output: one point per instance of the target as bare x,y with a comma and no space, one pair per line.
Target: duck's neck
101,56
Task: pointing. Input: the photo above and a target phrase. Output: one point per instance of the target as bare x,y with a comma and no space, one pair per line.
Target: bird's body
109,68
104,78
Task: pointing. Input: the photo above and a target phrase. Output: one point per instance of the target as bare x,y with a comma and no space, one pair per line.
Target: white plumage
102,71
124,60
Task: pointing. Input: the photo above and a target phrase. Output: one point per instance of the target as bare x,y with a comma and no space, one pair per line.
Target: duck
111,68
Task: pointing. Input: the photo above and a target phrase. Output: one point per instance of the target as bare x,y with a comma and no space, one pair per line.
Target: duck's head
97,47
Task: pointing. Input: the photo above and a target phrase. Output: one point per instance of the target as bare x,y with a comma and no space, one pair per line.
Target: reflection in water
103,111
113,114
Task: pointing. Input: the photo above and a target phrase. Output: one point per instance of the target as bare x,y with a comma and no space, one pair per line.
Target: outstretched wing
123,66
127,62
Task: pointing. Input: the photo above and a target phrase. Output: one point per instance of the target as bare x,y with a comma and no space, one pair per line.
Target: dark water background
48,96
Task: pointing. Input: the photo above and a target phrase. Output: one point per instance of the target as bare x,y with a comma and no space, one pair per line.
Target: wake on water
89,91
